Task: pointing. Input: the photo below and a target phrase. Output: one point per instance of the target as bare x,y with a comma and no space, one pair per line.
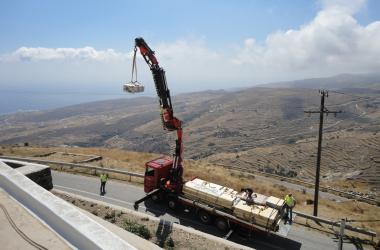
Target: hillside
259,128
344,81
352,156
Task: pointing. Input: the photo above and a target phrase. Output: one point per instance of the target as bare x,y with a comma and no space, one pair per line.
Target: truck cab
155,171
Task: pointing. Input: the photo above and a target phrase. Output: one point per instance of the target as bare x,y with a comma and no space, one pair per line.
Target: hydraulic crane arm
169,122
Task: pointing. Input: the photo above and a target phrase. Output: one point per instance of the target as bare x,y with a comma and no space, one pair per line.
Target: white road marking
103,197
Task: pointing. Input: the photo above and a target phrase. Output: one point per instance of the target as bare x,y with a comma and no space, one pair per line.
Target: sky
86,46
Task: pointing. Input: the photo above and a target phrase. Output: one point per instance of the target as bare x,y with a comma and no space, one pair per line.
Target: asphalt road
124,194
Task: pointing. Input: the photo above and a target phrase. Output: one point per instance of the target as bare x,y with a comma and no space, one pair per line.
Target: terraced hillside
347,155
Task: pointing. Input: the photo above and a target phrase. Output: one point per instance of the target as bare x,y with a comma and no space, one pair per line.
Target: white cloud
46,54
347,6
333,42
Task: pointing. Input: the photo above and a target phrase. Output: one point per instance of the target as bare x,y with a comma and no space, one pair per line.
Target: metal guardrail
335,223
110,170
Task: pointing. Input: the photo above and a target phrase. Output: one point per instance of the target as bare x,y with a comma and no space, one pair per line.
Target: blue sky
105,24
201,44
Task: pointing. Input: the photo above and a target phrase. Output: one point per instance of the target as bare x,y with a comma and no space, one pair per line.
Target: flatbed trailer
222,218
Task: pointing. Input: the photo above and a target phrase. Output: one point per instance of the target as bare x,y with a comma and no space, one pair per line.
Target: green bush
170,243
140,230
291,141
109,215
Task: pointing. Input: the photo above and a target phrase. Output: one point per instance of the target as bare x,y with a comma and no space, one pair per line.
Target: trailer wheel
222,224
172,204
204,217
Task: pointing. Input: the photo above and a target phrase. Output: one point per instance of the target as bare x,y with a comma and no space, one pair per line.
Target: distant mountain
343,81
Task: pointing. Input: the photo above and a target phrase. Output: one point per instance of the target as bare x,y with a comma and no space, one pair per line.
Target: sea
24,101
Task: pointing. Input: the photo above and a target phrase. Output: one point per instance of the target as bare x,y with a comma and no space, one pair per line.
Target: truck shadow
164,229
256,239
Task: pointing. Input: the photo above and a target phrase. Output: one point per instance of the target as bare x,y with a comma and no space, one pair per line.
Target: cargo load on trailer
212,193
262,210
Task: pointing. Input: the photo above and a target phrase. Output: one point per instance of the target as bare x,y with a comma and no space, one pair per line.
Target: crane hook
134,86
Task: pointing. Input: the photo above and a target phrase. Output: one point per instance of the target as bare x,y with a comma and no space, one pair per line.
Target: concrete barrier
40,174
77,228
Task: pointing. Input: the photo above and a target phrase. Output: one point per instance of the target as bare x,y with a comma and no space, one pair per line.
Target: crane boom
169,121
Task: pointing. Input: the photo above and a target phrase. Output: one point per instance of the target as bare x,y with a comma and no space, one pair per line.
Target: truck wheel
222,224
172,204
155,198
204,217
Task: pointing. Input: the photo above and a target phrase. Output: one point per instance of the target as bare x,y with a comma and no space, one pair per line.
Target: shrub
291,141
140,230
110,215
170,243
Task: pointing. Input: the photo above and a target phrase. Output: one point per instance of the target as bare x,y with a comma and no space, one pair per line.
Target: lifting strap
134,67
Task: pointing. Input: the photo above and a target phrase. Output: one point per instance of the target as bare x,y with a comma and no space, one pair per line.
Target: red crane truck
163,176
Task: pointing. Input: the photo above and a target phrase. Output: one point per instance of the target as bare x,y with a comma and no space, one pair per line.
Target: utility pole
341,234
323,110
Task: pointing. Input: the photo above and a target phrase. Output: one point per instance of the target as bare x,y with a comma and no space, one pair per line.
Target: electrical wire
355,96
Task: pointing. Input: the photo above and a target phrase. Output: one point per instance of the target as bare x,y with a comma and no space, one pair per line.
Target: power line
355,96
323,110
